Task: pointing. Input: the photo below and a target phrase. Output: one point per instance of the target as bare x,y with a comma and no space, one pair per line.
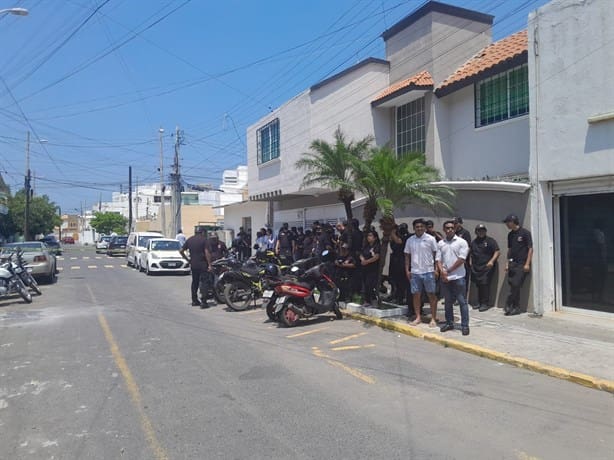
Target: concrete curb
535,366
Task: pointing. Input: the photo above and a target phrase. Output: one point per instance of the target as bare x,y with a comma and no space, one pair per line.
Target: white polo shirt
423,252
451,251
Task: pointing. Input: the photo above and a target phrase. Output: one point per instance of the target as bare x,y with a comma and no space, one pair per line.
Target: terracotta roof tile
496,53
420,80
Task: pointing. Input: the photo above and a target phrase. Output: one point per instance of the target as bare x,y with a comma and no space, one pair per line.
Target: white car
162,256
102,244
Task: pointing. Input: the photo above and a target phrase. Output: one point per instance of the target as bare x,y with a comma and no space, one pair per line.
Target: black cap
511,218
480,227
458,220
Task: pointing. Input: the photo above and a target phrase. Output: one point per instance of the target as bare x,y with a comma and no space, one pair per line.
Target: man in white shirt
454,251
181,237
421,255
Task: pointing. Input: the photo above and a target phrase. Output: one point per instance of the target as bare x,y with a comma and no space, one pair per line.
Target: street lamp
15,11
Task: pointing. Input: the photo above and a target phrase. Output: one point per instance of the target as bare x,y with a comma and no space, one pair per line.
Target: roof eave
400,92
514,61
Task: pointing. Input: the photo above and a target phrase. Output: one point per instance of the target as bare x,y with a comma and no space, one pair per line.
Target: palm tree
389,182
330,165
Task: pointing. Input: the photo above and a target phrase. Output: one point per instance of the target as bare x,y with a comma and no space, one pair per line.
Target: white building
445,90
571,62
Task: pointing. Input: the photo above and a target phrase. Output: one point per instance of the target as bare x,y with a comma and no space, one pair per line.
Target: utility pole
162,211
27,188
129,199
176,181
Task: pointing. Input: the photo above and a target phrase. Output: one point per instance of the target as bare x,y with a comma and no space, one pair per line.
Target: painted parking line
73,258
353,347
134,391
86,257
350,370
312,331
60,269
60,258
75,267
98,257
109,266
345,339
92,266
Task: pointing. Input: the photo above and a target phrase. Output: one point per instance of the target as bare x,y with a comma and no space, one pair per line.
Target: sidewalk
571,346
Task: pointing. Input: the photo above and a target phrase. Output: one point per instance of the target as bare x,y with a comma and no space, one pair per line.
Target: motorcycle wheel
287,317
24,293
218,292
34,286
270,311
337,311
238,296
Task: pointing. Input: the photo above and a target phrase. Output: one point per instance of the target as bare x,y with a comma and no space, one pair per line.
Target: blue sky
96,79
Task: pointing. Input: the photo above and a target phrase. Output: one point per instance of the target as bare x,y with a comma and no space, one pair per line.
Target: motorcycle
11,283
218,268
311,293
25,272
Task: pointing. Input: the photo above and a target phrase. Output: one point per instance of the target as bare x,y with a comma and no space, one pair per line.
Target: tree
390,182
43,216
109,222
330,165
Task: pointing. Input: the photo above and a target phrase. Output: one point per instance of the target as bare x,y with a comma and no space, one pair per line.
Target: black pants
515,278
369,282
201,279
482,279
398,279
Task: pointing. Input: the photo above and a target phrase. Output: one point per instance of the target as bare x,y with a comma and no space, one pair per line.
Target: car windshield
120,240
105,238
165,245
25,247
144,239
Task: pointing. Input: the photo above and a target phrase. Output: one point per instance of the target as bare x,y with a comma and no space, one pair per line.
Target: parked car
54,245
103,244
137,243
162,255
68,240
117,246
37,256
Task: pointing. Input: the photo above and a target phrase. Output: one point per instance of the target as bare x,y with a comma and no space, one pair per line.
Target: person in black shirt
369,261
299,238
200,260
396,268
284,248
345,266
519,256
484,252
308,244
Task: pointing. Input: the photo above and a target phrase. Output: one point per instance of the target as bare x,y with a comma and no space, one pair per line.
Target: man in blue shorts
421,256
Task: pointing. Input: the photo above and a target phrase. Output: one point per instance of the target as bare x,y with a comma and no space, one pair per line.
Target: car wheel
148,272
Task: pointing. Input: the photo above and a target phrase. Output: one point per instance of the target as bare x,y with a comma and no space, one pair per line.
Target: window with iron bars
502,96
268,141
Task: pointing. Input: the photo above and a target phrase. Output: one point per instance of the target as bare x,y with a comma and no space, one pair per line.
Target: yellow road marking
300,334
133,390
75,267
353,347
524,456
92,266
345,339
350,370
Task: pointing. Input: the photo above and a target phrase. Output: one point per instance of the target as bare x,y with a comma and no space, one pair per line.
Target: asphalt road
110,363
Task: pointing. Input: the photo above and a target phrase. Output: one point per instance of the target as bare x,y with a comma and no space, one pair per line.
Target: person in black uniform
299,238
345,266
284,247
483,254
369,261
396,268
519,256
200,262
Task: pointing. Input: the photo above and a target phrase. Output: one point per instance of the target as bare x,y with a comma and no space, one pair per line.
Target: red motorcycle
310,293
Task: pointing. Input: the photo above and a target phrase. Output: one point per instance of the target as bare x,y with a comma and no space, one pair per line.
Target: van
137,243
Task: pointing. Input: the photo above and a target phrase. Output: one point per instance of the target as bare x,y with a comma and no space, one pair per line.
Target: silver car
37,256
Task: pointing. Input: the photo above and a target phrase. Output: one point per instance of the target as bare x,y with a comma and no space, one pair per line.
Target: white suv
136,244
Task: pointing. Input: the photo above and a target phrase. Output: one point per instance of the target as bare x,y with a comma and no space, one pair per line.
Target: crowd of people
424,265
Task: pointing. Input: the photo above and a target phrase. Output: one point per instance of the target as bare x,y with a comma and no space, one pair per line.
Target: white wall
570,67
234,214
573,81
467,152
315,114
